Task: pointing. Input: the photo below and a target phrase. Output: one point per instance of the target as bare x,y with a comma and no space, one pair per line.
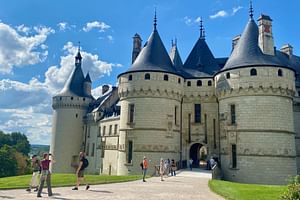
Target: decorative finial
203,33
251,10
78,46
172,43
202,36
155,19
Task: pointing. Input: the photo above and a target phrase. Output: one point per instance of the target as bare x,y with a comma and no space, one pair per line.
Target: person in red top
46,175
145,167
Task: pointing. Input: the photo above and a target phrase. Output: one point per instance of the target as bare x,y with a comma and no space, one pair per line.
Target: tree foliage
293,191
8,161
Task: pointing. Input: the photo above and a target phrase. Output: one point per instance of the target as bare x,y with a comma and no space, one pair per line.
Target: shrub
293,191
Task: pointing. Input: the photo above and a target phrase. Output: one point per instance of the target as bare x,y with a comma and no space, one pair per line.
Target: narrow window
214,132
189,83
199,83
88,149
76,115
110,129
205,128
102,149
93,150
131,113
99,132
253,72
147,76
233,152
197,111
279,72
130,77
89,132
209,83
228,75
104,129
72,98
130,148
166,77
232,114
175,115
179,80
189,127
116,129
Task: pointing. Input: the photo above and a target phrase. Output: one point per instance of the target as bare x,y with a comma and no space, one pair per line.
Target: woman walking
46,175
161,169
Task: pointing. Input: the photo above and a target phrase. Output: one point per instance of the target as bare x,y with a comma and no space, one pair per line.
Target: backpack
142,166
85,163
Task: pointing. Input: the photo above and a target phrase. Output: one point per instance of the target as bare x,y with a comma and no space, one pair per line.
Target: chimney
235,41
105,88
137,46
287,49
265,39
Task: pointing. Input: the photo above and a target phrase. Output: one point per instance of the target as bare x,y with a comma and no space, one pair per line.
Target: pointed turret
87,85
175,57
137,47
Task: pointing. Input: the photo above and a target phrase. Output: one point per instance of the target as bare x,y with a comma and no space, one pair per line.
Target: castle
242,110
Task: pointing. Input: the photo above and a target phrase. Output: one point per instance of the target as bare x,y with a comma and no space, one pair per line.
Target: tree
20,142
8,161
5,139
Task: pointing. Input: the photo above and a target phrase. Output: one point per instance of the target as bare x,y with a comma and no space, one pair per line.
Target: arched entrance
198,152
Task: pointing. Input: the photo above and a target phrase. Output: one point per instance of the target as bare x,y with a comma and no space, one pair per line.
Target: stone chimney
105,88
137,46
265,39
287,49
235,41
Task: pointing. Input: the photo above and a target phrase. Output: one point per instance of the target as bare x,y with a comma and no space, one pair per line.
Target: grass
239,191
59,180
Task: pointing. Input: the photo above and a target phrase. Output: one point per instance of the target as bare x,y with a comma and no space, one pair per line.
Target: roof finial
155,19
202,34
251,10
175,41
78,46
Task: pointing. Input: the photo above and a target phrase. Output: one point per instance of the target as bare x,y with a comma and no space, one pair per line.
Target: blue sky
38,40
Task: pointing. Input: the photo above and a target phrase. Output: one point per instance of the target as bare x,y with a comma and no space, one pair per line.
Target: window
76,115
147,76
104,129
214,131
89,132
110,129
131,113
129,154
233,155
130,77
209,83
197,113
175,115
179,80
199,83
253,72
189,83
88,149
116,129
72,98
83,99
279,73
166,77
99,132
228,75
93,150
102,149
232,114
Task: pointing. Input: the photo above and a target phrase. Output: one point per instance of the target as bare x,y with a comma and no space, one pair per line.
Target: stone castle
242,110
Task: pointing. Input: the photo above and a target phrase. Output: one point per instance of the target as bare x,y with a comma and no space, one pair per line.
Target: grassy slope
63,180
238,191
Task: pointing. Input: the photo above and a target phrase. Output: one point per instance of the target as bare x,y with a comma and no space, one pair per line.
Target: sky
39,39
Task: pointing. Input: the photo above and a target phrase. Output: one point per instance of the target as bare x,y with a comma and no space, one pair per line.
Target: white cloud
95,25
24,29
19,51
62,26
236,9
110,38
221,13
191,21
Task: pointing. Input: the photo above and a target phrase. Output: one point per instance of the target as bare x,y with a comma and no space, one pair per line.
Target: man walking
83,163
145,167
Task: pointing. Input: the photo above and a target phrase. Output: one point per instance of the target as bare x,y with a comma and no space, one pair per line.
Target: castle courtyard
186,185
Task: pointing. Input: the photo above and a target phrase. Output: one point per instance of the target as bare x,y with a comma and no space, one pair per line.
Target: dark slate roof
201,60
221,62
153,57
175,57
247,52
88,78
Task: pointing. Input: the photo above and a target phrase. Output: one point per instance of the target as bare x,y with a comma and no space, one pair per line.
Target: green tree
5,139
20,142
9,165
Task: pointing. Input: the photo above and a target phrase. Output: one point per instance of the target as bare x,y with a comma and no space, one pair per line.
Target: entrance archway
198,152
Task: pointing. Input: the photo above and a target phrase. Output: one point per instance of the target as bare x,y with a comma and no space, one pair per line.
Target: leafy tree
20,142
293,191
8,161
5,139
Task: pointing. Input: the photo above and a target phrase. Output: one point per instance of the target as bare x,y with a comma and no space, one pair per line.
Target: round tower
150,95
255,93
69,109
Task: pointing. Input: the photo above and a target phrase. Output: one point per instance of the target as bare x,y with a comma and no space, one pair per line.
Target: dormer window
147,76
209,83
199,83
189,83
166,77
179,80
279,73
228,75
253,72
130,77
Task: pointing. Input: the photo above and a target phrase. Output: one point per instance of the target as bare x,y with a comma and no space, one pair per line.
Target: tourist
212,162
145,167
166,168
191,163
36,170
45,174
173,168
161,169
83,163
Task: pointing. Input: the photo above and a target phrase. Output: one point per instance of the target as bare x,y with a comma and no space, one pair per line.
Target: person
80,171
145,167
161,169
166,168
173,168
212,162
191,163
36,170
45,174
208,164
169,167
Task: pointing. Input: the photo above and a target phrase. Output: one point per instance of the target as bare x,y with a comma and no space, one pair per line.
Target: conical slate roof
175,57
153,57
88,78
201,59
247,52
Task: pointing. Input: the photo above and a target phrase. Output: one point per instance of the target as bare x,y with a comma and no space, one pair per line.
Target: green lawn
64,180
239,191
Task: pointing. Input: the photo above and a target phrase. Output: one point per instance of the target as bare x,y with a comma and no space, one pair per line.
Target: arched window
179,80
279,73
147,76
199,83
209,83
166,77
130,77
253,72
228,75
189,83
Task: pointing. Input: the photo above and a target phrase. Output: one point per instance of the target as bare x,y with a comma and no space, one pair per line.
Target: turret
137,46
266,41
87,84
